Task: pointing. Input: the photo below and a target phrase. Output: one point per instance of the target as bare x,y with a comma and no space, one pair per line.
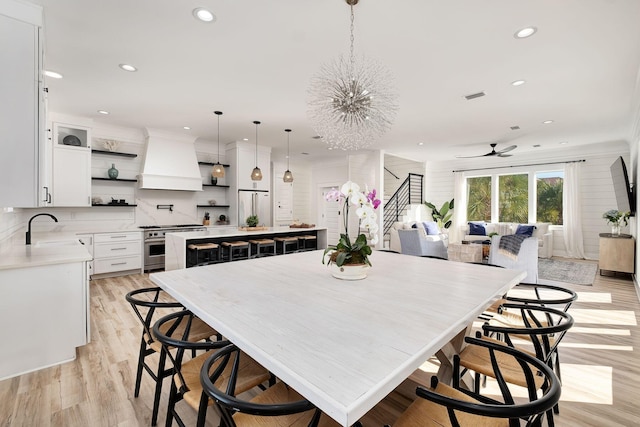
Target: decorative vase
113,172
349,271
214,180
615,230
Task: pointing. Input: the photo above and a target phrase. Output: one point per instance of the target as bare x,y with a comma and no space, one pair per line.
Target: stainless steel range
154,248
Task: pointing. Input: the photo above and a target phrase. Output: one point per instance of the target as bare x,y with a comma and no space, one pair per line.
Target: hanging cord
351,57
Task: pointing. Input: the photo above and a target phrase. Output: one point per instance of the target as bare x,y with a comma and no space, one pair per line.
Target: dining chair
442,405
173,332
277,406
536,330
149,304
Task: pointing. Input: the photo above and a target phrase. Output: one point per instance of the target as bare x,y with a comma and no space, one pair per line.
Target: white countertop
235,232
343,345
46,249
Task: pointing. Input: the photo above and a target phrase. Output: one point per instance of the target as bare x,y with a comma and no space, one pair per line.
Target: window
479,199
523,197
549,197
513,198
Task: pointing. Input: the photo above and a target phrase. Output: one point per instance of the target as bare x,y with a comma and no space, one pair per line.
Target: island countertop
176,243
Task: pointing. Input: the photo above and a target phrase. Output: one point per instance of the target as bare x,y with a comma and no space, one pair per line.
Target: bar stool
209,252
307,243
262,247
239,249
286,245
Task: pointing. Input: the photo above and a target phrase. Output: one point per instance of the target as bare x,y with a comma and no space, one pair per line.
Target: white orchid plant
357,252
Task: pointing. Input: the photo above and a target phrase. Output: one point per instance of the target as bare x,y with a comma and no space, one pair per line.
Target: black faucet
29,226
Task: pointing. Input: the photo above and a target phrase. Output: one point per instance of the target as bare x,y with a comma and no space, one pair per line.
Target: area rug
579,273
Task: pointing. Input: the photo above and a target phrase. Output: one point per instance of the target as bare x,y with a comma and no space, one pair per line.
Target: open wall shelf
113,205
216,185
117,179
213,206
211,164
113,153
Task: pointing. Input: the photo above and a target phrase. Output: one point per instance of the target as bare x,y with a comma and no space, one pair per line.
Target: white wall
596,186
401,167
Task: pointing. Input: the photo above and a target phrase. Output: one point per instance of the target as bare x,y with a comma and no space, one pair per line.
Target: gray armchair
412,242
527,259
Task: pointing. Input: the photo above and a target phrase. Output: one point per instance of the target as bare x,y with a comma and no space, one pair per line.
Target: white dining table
343,345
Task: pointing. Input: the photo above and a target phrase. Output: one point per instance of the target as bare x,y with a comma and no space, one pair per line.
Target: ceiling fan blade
505,150
469,157
504,155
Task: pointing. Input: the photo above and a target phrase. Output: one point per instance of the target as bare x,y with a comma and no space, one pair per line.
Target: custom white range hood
169,163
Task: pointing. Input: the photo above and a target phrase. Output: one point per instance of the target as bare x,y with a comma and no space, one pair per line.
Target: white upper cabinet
244,157
71,183
21,106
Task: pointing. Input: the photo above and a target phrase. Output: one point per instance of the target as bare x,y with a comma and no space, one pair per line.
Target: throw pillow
431,227
527,230
476,229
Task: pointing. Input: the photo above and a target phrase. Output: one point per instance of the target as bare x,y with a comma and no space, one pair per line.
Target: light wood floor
600,366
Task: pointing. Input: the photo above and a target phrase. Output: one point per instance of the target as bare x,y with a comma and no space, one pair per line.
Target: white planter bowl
349,272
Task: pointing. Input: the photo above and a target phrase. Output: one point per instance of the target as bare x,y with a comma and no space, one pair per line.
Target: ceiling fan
493,152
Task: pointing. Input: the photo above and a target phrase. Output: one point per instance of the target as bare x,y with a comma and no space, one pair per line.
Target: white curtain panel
460,207
571,207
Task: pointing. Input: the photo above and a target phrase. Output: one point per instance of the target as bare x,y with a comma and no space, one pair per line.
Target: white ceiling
256,61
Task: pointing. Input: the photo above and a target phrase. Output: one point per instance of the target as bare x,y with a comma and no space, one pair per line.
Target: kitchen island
176,243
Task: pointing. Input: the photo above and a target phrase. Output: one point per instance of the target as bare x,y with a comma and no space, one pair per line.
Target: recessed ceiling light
306,154
186,128
563,142
518,83
128,67
329,148
537,146
204,15
52,74
245,139
546,122
525,32
421,143
316,137
103,112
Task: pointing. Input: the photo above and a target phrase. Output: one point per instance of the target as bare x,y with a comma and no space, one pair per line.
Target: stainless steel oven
154,246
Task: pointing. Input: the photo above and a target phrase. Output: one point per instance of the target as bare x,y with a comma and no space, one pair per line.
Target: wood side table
463,252
617,253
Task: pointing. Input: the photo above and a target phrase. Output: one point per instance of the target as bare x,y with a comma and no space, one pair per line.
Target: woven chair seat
426,413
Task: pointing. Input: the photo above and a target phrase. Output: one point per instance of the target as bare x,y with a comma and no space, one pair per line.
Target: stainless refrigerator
254,202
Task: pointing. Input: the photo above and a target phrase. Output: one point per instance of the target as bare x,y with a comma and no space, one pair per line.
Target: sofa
413,241
527,258
541,232
394,239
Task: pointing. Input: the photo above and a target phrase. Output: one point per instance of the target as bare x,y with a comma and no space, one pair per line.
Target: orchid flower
333,195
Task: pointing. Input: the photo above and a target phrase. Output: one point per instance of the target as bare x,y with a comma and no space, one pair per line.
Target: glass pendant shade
256,174
218,170
288,176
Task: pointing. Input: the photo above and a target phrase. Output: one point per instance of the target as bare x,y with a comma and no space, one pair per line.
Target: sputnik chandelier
352,102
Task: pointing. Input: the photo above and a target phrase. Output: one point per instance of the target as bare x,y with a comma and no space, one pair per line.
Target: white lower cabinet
45,313
117,252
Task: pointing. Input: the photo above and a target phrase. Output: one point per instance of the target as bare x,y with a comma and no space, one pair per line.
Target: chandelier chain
351,55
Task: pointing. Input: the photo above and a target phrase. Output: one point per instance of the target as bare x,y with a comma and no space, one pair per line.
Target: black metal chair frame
181,344
531,411
226,401
536,332
147,339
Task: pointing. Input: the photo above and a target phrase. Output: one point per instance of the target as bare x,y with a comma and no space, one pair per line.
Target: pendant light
218,170
288,176
256,175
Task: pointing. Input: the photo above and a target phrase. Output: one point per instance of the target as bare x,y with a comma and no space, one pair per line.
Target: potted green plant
252,221
443,215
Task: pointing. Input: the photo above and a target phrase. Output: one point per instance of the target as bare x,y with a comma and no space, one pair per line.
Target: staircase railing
409,192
